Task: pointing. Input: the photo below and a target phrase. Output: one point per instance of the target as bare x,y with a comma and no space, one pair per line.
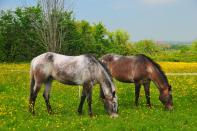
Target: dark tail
32,83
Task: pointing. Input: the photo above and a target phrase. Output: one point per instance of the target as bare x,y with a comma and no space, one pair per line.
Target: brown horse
72,70
141,70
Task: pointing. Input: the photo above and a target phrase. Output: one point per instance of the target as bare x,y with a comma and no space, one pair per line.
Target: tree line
21,40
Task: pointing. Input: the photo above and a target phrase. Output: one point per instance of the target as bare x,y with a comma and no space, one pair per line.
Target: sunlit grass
14,94
181,67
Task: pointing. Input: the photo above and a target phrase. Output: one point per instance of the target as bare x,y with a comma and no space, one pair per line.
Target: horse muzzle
113,115
169,107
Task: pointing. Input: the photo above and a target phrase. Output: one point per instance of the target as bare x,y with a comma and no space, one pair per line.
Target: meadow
14,94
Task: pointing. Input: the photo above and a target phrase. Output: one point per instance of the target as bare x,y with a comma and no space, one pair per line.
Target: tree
147,47
101,39
120,42
50,28
6,35
26,33
18,38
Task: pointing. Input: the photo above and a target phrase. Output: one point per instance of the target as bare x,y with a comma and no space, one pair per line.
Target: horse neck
110,66
159,79
106,83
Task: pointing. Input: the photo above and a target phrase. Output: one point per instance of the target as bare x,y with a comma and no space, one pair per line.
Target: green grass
14,115
175,56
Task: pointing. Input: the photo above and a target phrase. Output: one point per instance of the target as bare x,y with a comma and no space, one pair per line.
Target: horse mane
94,60
106,69
156,65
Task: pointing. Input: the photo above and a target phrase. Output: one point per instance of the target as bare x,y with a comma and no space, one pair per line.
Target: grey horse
83,70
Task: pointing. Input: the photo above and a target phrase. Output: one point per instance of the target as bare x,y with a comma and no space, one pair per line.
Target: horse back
72,70
128,69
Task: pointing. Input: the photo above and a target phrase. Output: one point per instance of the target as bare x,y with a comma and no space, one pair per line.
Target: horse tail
32,82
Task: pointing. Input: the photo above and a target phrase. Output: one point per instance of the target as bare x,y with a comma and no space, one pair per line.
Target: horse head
111,105
108,91
166,97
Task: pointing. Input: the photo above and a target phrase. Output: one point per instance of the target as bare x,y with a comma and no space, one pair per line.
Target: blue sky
169,20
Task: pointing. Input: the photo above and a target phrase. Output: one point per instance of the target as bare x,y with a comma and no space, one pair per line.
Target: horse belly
122,75
122,79
69,78
64,79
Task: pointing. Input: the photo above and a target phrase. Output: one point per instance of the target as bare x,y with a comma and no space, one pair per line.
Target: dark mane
94,60
106,69
91,58
156,65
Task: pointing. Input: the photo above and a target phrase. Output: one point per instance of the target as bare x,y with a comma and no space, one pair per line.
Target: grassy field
14,115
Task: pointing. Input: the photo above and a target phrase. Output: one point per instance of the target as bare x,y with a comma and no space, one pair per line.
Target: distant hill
175,42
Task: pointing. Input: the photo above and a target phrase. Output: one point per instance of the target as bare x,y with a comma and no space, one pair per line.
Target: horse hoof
149,106
113,115
169,108
30,110
79,112
33,113
50,112
91,114
136,104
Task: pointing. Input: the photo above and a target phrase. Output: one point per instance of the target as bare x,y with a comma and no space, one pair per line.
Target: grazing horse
141,70
72,70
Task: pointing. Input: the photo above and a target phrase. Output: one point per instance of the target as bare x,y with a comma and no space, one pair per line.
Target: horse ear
110,58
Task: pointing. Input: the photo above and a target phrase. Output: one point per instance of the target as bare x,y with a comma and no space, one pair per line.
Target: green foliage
175,56
21,41
147,47
194,46
18,37
120,37
101,42
120,43
182,48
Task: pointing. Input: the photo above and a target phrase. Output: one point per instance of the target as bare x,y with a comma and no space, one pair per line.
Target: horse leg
46,95
83,97
147,93
89,100
33,96
137,92
102,96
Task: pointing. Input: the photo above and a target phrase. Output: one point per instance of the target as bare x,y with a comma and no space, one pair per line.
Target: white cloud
158,1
